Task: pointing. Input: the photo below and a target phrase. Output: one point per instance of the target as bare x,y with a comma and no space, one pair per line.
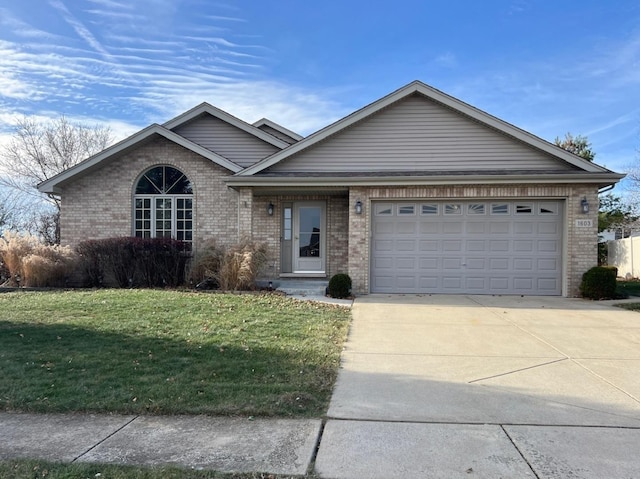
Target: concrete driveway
447,386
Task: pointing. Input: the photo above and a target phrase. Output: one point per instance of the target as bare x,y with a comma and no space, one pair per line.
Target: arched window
164,205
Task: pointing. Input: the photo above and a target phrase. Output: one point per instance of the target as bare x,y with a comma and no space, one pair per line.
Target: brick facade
269,228
99,204
580,243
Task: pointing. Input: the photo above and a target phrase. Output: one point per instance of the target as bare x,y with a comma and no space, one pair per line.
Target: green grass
629,306
628,288
168,352
32,469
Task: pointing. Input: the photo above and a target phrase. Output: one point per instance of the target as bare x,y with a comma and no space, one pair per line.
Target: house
417,192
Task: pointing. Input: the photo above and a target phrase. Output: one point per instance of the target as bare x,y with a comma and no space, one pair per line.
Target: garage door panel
428,282
406,282
428,263
476,245
452,245
523,264
452,228
547,246
502,246
451,283
430,227
381,228
547,264
451,263
406,228
405,263
405,245
429,245
498,264
499,228
382,245
482,247
476,263
523,284
547,284
380,263
476,228
520,228
548,228
499,284
475,284
523,246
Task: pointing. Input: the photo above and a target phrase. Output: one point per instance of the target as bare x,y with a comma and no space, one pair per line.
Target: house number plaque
584,223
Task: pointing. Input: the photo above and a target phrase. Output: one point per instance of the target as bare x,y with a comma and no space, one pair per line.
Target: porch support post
359,225
245,212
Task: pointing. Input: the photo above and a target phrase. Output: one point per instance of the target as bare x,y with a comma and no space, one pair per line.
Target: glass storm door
309,238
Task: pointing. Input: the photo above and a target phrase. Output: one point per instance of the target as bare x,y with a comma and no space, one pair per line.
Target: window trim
153,198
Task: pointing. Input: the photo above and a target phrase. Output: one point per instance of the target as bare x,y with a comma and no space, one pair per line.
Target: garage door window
524,209
405,210
452,209
382,209
500,209
548,208
476,209
429,209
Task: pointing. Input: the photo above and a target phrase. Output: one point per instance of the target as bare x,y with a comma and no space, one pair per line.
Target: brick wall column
245,216
358,252
582,239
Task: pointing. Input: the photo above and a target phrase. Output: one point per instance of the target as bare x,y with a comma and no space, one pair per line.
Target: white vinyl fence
625,255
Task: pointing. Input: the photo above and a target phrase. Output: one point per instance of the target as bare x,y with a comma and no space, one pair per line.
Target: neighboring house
417,192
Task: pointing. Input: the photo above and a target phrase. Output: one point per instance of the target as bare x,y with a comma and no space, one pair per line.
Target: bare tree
39,150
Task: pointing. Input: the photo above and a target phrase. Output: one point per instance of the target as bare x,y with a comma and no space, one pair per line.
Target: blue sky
549,67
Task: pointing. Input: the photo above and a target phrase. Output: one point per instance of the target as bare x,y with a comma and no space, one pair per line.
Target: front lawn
628,288
168,352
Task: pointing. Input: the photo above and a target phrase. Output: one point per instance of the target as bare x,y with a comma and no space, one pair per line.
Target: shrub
34,263
205,265
135,261
241,264
599,283
340,285
92,261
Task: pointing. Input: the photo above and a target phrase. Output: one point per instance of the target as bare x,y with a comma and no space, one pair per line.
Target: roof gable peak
433,94
207,108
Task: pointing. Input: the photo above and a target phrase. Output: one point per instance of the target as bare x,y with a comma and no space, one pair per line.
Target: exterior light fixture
358,207
270,209
584,205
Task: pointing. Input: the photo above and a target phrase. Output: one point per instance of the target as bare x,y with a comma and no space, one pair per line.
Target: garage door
474,247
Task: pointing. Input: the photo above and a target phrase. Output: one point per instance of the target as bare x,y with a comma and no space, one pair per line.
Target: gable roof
275,126
459,106
52,185
206,108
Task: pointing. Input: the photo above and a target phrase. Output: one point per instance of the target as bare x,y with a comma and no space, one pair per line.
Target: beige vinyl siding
278,134
418,134
226,140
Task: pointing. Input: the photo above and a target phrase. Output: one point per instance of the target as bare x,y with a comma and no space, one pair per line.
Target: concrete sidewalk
276,446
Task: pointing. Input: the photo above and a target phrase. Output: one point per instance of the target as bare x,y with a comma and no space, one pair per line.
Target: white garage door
471,247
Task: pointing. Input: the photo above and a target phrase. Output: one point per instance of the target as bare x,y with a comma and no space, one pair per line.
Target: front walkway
442,386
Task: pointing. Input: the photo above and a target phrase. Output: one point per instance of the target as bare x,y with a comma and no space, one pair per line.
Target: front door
309,249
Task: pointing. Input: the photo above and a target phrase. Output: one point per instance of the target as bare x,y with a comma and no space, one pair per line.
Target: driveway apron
493,381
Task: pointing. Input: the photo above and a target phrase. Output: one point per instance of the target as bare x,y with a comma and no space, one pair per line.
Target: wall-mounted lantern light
270,209
358,207
584,205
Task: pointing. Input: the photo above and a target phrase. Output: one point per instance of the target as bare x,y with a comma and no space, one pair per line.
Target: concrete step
298,287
